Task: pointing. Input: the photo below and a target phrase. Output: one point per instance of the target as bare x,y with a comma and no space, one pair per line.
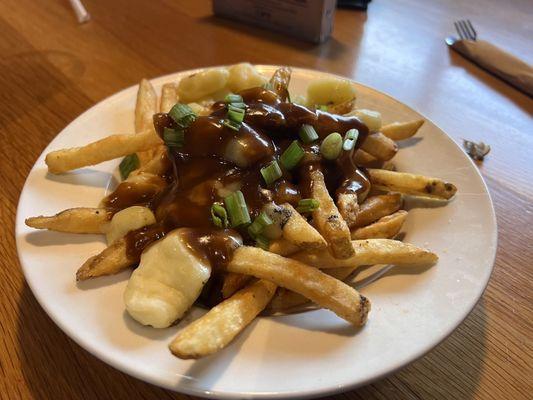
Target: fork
465,30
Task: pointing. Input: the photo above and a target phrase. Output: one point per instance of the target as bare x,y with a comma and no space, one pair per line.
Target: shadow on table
518,97
331,49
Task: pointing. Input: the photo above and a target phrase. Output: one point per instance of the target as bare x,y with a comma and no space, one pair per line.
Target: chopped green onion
331,146
271,173
173,137
258,226
307,205
321,107
262,242
237,209
219,215
182,114
238,105
350,138
128,164
233,98
292,155
235,114
231,124
308,134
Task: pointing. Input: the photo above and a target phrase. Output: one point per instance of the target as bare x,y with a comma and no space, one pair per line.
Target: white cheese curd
167,282
126,220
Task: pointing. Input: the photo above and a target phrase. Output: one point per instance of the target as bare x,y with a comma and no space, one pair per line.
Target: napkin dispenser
310,20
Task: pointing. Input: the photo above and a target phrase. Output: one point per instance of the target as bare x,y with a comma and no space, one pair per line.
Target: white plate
304,355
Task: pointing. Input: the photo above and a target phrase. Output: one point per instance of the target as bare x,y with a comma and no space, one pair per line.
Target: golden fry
348,207
402,130
145,108
216,329
376,207
310,282
283,247
109,148
369,252
231,283
416,185
111,260
74,220
380,146
328,220
384,228
169,97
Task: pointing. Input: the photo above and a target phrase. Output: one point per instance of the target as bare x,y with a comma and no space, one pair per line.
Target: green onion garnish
259,225
233,98
271,173
331,146
231,124
350,138
308,134
307,205
238,105
321,107
237,209
292,155
235,114
173,137
128,164
219,215
262,242
182,114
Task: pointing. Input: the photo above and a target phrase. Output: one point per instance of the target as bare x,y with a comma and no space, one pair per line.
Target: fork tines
465,30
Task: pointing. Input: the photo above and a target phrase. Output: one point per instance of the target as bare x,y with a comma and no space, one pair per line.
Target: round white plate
300,355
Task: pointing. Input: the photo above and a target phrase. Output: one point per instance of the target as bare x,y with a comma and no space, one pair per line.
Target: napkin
508,67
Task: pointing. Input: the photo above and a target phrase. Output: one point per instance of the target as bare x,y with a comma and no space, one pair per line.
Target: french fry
141,188
145,108
402,130
328,220
283,247
295,228
384,228
169,97
310,282
288,301
417,185
158,165
348,207
111,260
361,157
216,329
231,283
369,252
74,220
109,148
342,108
380,146
376,207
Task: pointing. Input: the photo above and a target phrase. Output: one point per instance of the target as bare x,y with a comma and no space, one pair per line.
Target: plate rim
325,390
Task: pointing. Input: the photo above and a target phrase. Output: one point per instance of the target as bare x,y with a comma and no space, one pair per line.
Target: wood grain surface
52,69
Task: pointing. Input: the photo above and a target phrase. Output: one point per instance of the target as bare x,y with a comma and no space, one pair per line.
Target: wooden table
52,69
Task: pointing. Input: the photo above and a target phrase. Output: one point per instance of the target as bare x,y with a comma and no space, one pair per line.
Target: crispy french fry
328,220
310,282
295,228
361,157
74,220
111,260
283,247
402,130
348,207
384,228
231,283
216,329
158,165
376,207
169,97
111,147
417,185
145,108
380,146
342,108
288,301
371,251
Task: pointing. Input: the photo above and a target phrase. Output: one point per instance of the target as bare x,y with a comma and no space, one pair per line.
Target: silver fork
465,30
